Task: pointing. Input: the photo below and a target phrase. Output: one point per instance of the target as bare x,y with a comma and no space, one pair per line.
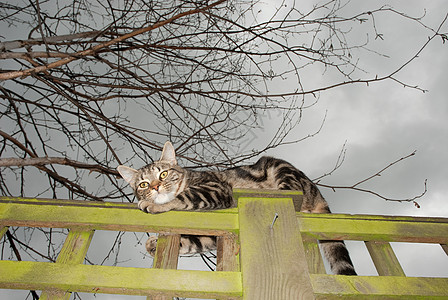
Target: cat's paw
147,206
151,245
150,207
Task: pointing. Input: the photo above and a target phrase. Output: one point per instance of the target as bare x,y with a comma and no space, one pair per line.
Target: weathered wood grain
313,255
35,214
384,259
273,263
227,253
119,280
374,228
379,287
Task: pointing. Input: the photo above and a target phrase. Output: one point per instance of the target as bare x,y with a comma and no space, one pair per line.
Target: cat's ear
127,173
168,154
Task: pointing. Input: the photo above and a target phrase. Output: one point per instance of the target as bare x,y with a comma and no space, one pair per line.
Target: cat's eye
163,175
143,185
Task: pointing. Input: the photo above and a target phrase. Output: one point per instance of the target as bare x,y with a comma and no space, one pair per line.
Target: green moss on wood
379,287
374,228
272,261
118,280
37,215
3,230
255,218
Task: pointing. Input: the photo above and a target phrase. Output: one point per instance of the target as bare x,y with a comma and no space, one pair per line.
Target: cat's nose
155,186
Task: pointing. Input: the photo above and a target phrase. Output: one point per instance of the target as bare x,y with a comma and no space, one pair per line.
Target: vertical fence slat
73,252
227,253
166,257
313,256
3,230
167,252
273,263
75,247
227,258
384,258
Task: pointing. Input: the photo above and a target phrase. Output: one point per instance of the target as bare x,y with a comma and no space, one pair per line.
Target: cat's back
196,178
264,174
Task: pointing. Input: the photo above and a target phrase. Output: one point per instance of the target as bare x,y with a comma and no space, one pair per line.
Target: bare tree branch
356,185
41,161
11,45
93,50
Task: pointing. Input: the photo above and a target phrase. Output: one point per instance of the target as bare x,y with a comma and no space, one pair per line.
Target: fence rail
257,259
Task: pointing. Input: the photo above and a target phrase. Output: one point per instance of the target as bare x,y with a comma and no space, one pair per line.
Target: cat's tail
337,255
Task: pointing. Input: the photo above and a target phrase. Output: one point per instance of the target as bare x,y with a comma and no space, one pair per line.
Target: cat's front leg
153,208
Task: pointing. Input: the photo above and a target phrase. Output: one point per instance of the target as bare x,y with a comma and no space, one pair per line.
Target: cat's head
159,182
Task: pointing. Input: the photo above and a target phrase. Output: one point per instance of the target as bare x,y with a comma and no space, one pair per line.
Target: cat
164,185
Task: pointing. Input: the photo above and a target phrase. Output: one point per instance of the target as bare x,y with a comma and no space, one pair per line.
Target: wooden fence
257,257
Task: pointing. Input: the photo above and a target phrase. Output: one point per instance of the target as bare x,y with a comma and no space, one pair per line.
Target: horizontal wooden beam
378,287
73,214
65,202
119,280
374,228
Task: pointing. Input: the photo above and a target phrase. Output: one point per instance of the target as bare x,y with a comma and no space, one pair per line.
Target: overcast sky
384,122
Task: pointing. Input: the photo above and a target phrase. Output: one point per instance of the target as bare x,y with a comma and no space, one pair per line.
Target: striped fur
164,186
189,244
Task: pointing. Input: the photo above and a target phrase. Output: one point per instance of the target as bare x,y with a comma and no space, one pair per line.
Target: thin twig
377,174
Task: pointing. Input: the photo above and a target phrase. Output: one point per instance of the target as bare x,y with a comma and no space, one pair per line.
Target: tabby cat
164,185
